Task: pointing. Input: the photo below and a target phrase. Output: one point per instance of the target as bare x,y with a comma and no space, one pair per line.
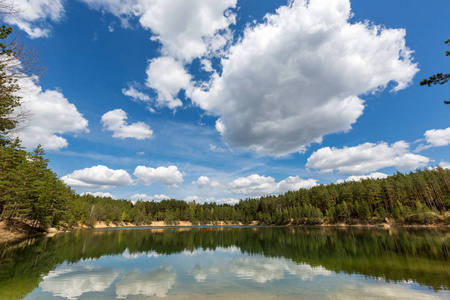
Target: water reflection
262,269
72,281
366,291
259,263
156,283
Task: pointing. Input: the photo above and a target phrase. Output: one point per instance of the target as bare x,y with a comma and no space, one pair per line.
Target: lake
230,263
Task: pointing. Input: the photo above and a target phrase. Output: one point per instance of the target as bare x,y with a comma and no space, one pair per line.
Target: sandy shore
10,233
163,224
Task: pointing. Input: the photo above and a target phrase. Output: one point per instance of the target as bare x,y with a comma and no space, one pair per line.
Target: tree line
420,197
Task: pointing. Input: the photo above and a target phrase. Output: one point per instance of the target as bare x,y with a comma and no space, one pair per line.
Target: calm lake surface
230,263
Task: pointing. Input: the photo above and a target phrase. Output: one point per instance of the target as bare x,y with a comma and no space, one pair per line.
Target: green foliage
8,99
29,190
438,78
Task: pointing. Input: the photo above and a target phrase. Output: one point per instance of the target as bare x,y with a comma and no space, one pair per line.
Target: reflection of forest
419,255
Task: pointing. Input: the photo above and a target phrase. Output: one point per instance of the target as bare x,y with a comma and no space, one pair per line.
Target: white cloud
206,65
114,121
204,181
216,184
156,283
367,157
201,181
375,175
135,94
257,185
297,77
100,194
111,27
214,148
32,16
167,77
97,177
186,29
122,9
48,115
444,164
223,200
435,138
144,197
169,176
194,27
438,137
191,198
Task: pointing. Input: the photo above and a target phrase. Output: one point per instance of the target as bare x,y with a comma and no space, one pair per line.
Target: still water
229,263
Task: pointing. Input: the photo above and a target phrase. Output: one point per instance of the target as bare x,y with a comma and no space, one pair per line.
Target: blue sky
223,100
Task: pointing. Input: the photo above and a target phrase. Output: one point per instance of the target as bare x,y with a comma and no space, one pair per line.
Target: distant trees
438,78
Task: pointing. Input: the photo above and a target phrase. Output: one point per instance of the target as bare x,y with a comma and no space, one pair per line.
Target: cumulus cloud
33,16
435,138
201,181
97,177
297,77
100,194
114,121
169,176
167,77
257,185
367,157
438,137
375,175
196,27
144,197
48,115
135,94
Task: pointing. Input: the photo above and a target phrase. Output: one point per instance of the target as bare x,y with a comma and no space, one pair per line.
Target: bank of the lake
15,231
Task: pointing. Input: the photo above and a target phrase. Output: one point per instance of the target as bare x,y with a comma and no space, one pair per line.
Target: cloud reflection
156,283
263,269
367,291
72,281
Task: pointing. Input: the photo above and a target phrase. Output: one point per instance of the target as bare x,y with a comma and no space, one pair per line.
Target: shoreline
10,235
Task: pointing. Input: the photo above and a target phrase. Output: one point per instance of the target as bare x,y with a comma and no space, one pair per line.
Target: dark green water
229,263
